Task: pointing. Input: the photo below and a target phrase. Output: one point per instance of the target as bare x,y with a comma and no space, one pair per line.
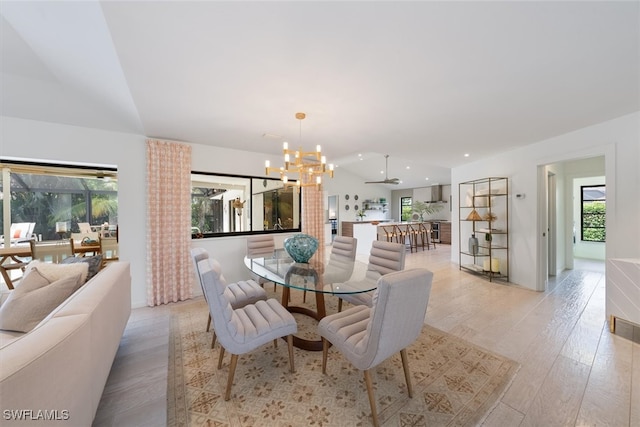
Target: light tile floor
573,370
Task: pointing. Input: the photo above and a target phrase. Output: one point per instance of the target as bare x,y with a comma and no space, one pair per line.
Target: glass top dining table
339,275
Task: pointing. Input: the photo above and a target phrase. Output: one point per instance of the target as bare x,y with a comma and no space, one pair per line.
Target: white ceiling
425,82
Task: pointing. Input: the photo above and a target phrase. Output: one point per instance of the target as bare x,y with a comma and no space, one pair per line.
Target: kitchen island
365,231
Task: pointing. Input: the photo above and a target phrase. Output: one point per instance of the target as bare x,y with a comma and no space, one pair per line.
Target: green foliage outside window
406,208
593,221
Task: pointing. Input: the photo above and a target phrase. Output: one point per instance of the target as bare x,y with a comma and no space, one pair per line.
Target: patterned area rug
455,382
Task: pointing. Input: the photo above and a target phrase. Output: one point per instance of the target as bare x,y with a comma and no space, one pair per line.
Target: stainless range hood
436,194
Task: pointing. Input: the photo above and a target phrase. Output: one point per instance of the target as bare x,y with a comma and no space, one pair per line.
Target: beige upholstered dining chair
341,260
239,293
384,258
244,329
367,336
258,246
53,251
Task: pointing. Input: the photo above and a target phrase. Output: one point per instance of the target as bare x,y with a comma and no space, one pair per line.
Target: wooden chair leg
339,305
275,343
213,340
325,353
220,357
290,345
209,323
407,373
232,372
372,399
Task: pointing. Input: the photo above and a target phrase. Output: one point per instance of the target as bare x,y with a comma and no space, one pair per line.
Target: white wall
345,183
50,142
618,140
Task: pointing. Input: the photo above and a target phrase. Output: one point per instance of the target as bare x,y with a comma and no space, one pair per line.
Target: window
50,195
593,213
406,208
229,204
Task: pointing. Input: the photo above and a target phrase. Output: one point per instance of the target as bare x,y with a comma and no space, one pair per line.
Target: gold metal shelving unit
484,213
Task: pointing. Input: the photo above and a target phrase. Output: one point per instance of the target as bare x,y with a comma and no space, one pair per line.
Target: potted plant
360,214
424,208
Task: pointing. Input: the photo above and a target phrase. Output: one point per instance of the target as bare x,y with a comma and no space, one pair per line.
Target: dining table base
318,314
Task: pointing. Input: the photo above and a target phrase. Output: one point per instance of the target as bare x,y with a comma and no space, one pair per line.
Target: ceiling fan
387,180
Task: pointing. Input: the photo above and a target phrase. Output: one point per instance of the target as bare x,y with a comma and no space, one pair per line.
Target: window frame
402,204
583,214
248,210
59,169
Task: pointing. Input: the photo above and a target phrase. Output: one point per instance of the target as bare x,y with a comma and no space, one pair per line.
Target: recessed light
382,172
466,154
427,179
359,155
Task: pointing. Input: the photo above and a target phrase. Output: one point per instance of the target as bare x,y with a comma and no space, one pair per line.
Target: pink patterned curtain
313,218
169,267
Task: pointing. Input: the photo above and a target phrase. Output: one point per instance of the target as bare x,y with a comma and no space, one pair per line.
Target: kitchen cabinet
445,233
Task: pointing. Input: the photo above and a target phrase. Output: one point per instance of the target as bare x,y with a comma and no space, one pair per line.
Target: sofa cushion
55,272
34,299
94,263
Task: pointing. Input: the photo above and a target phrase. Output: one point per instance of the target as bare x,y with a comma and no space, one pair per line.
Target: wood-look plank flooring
574,372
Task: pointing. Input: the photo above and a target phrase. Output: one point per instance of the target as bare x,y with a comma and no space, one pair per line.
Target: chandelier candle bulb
305,164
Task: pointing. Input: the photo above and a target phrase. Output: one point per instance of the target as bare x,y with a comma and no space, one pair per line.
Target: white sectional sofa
55,373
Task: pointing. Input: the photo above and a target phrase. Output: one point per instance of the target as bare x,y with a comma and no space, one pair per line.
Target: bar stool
427,232
389,232
415,234
402,234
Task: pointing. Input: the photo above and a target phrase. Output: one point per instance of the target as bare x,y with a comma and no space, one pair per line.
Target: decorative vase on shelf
301,247
473,244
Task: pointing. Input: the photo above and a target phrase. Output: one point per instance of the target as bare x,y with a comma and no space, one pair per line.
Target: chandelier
307,167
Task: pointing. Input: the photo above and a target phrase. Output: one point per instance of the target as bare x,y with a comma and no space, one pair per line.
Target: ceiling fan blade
394,181
387,180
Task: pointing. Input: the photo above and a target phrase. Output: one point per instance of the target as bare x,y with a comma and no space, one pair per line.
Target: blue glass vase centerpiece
301,247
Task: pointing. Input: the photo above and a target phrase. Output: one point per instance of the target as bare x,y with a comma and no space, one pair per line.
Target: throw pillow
94,263
55,272
28,305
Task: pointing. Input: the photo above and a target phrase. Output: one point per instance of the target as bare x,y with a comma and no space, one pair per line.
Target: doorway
332,207
557,207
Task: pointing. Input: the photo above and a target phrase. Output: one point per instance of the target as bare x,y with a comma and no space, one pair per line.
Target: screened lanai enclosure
56,198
